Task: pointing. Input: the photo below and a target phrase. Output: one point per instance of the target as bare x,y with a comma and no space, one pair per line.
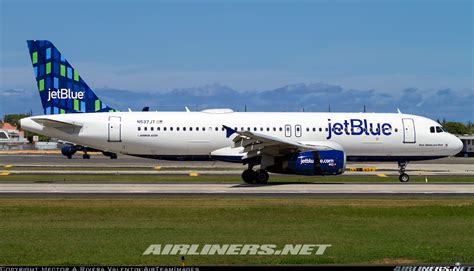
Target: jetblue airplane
285,143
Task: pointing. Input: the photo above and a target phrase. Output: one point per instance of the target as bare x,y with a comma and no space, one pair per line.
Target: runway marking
242,189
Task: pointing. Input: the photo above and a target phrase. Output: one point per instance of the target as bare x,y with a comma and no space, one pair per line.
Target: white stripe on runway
277,189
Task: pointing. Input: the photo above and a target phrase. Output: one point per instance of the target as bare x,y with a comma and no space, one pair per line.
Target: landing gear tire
249,176
404,178
113,156
262,176
401,169
86,156
69,157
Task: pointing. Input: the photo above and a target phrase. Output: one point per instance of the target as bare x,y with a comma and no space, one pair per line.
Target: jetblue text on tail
64,93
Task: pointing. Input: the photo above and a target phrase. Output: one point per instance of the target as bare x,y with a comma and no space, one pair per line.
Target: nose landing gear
401,169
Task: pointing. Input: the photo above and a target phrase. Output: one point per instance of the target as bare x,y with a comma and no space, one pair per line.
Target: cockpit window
439,129
432,129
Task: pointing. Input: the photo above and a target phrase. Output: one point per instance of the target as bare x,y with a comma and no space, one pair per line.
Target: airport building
468,145
11,138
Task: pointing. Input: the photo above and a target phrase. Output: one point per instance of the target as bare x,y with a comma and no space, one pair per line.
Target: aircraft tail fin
61,88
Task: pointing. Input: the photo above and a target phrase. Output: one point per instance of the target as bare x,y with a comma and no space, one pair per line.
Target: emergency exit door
409,134
288,130
115,126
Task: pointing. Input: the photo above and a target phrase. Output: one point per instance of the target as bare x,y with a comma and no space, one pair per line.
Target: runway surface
124,160
127,165
240,189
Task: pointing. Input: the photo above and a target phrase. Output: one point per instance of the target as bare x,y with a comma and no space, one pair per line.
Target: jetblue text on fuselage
358,127
64,93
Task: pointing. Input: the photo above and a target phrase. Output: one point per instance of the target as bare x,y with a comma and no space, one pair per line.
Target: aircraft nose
456,145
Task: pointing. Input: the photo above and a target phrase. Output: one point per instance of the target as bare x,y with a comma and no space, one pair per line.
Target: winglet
398,110
229,131
187,109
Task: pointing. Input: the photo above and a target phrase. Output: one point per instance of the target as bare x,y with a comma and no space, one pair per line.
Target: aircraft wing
255,144
47,122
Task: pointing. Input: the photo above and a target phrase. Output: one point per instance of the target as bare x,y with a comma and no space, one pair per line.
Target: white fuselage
190,135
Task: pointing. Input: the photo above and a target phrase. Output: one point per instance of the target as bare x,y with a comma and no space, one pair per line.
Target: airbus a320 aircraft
288,143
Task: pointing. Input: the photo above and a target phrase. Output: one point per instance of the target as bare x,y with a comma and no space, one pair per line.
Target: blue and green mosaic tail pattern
61,88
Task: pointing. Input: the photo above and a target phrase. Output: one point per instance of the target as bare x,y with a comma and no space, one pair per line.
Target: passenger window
438,129
307,129
190,128
203,129
157,128
152,128
177,128
164,128
281,129
320,129
184,128
217,129
197,128
139,128
171,128
145,128
396,130
432,129
314,129
268,129
255,129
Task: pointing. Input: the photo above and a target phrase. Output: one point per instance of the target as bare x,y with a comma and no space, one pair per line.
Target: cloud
149,78
443,103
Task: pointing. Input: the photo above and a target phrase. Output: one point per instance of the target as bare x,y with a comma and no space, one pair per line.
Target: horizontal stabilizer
56,123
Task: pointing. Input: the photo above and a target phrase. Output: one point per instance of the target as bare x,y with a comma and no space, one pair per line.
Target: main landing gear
401,169
251,176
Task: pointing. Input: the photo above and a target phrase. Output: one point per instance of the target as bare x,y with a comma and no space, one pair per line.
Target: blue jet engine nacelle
330,162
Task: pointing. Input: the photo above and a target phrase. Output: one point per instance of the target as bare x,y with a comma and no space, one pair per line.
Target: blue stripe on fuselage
238,159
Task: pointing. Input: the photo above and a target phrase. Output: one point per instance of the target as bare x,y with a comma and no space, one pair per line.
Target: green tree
13,118
470,126
456,127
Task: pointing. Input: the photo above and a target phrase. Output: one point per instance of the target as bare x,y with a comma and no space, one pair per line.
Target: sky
157,46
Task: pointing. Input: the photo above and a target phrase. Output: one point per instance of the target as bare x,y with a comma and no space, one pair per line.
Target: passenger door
409,134
115,126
